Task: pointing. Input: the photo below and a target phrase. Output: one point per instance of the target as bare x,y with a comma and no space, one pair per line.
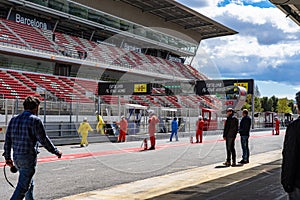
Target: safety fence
63,118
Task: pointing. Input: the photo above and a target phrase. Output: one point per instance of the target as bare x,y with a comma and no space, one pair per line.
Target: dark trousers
245,147
230,149
295,195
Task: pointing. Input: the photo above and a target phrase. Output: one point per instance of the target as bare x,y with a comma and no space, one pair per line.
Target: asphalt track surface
104,166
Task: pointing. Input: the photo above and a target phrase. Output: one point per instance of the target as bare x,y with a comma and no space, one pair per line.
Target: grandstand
59,50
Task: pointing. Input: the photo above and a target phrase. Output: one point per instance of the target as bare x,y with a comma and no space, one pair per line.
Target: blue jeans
245,147
174,132
26,165
295,195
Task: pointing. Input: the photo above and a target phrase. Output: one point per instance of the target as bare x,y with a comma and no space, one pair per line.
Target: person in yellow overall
84,129
100,124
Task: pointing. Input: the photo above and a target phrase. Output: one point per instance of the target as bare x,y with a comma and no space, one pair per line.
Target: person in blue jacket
174,129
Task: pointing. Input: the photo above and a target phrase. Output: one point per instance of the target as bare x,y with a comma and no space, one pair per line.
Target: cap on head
122,117
151,112
230,110
85,119
200,117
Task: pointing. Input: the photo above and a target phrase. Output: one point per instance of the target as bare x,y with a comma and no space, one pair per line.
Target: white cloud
253,15
266,39
265,48
270,88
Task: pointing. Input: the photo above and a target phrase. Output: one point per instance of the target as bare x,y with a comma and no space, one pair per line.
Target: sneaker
226,163
81,145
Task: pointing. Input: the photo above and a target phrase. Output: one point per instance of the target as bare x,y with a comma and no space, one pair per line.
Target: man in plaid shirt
23,134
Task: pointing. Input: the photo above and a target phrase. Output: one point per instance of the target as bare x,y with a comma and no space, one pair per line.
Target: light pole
45,105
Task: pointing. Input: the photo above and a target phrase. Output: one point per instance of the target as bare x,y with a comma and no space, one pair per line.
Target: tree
248,103
292,105
275,100
263,102
256,91
283,106
266,104
270,105
257,105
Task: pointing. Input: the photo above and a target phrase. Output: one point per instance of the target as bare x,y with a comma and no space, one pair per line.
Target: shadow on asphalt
260,183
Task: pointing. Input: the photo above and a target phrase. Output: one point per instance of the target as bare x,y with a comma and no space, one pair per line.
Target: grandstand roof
290,7
172,11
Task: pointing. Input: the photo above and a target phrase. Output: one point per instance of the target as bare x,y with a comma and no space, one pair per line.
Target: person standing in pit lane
244,131
199,129
123,129
153,120
290,168
229,135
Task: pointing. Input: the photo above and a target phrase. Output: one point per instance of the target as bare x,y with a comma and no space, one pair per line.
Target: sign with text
140,88
213,87
167,88
113,88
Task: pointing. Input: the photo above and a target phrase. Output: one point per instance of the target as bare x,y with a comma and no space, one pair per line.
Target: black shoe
244,162
81,145
227,164
152,148
233,164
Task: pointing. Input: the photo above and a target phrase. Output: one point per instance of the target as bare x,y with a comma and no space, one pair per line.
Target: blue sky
265,49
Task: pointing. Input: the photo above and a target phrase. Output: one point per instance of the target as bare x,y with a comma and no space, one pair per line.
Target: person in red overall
123,129
153,120
199,129
277,124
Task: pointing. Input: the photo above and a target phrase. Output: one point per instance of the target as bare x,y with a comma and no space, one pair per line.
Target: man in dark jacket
244,131
229,135
290,174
